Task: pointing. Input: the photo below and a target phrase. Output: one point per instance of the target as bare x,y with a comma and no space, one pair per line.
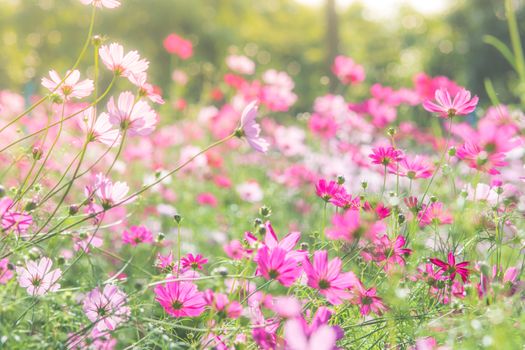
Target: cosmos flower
385,155
38,278
99,129
446,107
136,235
368,300
450,268
347,71
110,4
136,117
250,130
113,57
106,308
71,87
5,272
194,262
180,299
273,264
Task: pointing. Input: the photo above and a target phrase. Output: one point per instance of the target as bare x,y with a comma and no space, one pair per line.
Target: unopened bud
177,218
452,151
340,179
401,218
265,211
305,246
364,185
73,209
433,199
391,131
31,205
257,222
37,152
97,40
160,236
2,191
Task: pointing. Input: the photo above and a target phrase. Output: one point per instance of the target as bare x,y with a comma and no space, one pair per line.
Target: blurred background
392,39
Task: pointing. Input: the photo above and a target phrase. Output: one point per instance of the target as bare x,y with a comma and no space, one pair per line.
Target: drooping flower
347,71
447,107
38,278
450,268
251,130
71,87
5,272
136,117
273,264
194,262
110,4
385,155
180,299
99,129
136,235
113,57
326,276
368,300
106,308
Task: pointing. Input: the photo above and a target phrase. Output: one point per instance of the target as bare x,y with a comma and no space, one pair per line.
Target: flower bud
364,185
73,209
177,218
401,218
452,151
2,191
257,222
160,236
37,152
433,199
305,246
391,131
340,179
97,40
265,211
31,205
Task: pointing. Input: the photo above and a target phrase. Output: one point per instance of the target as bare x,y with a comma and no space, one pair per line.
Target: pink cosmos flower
388,253
287,243
346,201
113,58
17,222
136,235
224,307
106,308
434,214
109,193
327,190
110,4
84,241
193,262
207,198
99,129
450,268
38,278
250,130
165,262
368,300
71,87
277,94
136,117
250,191
325,127
447,107
175,44
344,226
235,250
145,88
287,306
274,264
347,71
180,299
417,167
5,272
240,64
477,158
385,156
326,276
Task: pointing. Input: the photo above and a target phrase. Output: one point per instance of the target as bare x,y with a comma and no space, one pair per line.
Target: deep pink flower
180,299
389,253
165,262
344,226
450,268
114,59
434,214
38,277
347,71
447,107
274,264
385,156
325,127
346,201
250,130
368,300
174,44
136,235
136,117
326,276
71,87
207,198
417,167
477,158
106,308
194,262
110,4
5,272
327,190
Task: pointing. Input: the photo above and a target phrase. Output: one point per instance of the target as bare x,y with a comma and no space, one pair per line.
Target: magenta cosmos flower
250,130
451,268
194,262
110,4
224,307
447,107
344,226
385,155
38,278
106,308
274,264
136,235
327,190
114,59
326,276
99,129
180,299
136,117
368,300
71,87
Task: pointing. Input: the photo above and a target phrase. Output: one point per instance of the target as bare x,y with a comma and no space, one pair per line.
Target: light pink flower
224,307
347,71
250,191
240,64
71,87
99,129
38,278
114,59
5,272
17,222
84,241
434,213
180,299
326,276
136,235
109,193
110,4
251,130
145,88
447,107
106,308
136,117
318,335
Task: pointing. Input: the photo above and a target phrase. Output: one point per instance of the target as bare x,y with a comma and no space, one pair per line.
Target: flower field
134,217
